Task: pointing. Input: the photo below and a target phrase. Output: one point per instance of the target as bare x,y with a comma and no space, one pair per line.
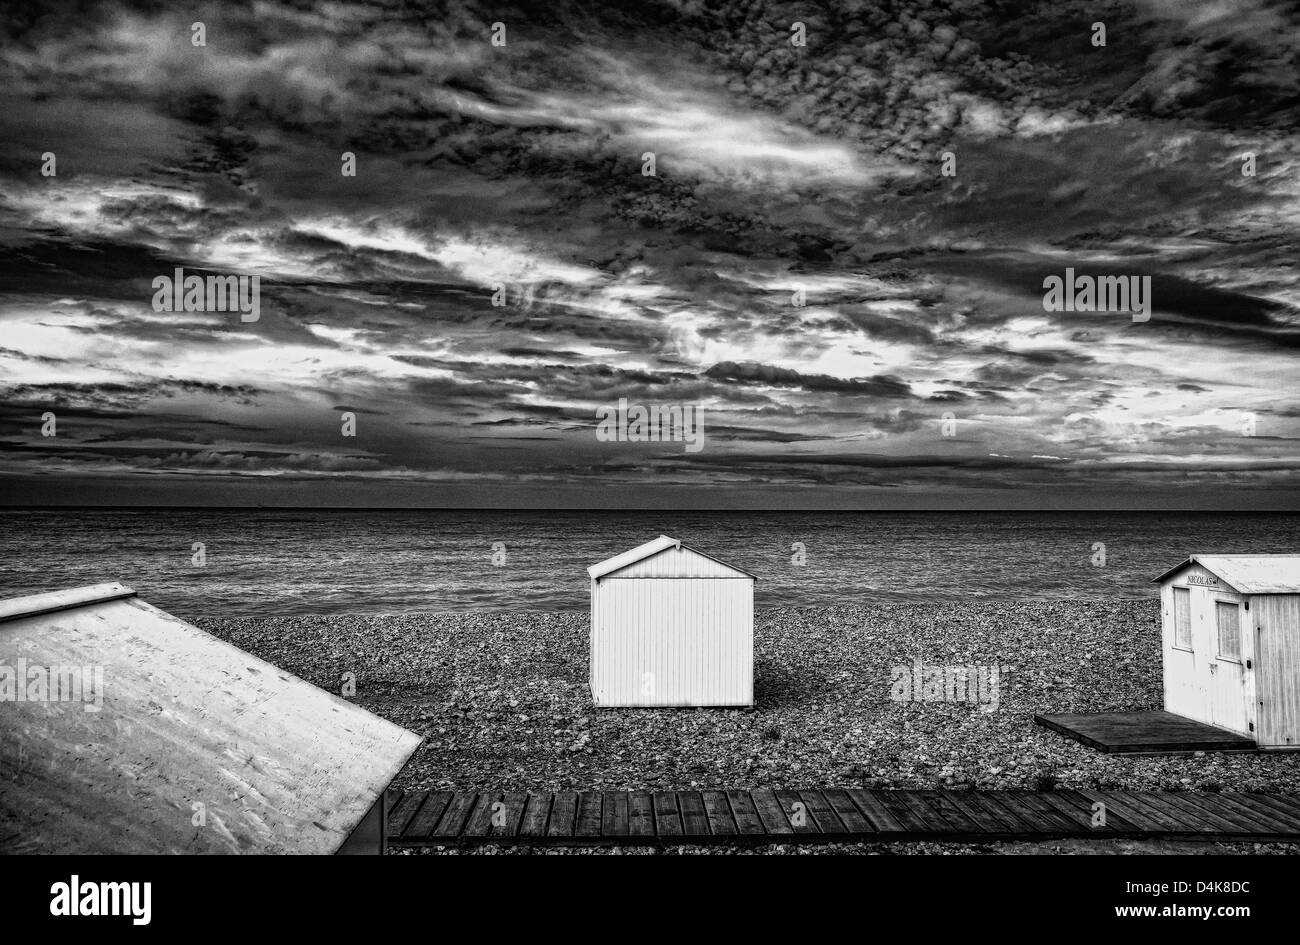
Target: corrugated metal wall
1275,620
659,640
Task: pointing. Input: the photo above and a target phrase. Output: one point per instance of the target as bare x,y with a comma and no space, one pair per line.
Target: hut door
1276,620
1227,667
1198,675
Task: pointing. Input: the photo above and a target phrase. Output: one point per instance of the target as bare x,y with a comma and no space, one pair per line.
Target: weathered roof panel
178,718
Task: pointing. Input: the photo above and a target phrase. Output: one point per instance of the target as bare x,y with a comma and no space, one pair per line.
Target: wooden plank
1053,819
878,815
479,823
822,814
1009,813
1156,812
918,817
1233,807
721,821
614,815
1289,802
1067,814
1277,805
564,808
400,814
1197,817
1113,820
1141,819
1151,732
926,804
514,811
902,812
748,821
1140,815
956,818
668,821
695,820
590,806
770,812
847,811
800,817
1284,802
978,814
1012,802
640,814
456,815
427,817
537,812
1236,808
1080,817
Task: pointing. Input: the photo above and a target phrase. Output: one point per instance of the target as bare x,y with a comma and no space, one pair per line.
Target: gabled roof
177,718
1247,574
649,549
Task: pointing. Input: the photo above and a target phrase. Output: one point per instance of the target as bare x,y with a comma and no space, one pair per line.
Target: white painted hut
124,729
1231,638
671,626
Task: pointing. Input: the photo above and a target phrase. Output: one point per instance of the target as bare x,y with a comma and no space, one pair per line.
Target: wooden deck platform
766,816
1153,732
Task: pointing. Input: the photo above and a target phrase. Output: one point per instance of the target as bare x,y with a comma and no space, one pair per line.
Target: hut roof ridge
1247,573
650,548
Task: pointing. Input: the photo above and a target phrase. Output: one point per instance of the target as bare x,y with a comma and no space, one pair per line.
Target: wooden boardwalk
767,816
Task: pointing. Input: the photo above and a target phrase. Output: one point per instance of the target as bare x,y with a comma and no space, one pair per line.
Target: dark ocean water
270,561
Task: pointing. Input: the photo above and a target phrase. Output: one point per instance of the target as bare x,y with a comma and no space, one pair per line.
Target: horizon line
601,509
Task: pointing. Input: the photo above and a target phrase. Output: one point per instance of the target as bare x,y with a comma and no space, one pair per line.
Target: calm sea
270,561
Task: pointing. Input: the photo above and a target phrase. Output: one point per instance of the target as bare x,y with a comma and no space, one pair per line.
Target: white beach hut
1231,640
671,626
124,729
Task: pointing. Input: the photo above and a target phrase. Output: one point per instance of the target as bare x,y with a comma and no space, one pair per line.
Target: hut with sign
1231,643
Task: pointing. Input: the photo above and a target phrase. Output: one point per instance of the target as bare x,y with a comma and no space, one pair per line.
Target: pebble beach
502,701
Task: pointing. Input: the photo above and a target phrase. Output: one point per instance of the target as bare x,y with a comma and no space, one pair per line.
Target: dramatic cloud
835,250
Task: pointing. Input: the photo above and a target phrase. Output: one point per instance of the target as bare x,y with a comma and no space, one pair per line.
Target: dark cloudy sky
778,168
